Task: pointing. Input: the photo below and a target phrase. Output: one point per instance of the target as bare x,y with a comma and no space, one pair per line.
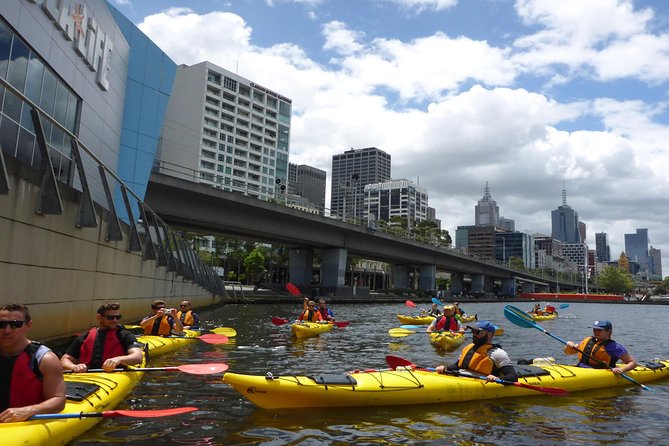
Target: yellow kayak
446,340
471,318
544,317
405,386
303,330
86,392
160,345
415,320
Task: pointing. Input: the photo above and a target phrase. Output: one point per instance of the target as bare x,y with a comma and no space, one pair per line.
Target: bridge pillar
427,277
400,276
333,267
478,283
457,283
509,287
527,287
300,265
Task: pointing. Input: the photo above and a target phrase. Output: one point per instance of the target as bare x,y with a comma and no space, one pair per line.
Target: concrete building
396,198
486,212
351,172
226,131
309,183
602,247
656,255
564,222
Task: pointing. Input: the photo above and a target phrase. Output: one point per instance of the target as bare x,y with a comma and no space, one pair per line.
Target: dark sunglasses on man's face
112,317
476,332
13,324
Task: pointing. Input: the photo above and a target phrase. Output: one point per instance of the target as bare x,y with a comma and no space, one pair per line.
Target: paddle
437,301
396,361
563,306
402,332
522,319
227,331
117,413
295,291
212,338
193,369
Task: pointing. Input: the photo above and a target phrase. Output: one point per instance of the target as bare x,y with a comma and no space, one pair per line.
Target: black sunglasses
182,305
475,331
13,324
111,318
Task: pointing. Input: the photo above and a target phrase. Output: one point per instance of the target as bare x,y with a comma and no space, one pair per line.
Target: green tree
254,264
516,263
615,280
662,288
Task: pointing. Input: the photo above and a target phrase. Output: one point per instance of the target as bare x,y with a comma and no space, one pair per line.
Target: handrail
154,237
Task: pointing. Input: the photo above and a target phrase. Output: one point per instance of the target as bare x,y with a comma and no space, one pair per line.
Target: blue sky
524,94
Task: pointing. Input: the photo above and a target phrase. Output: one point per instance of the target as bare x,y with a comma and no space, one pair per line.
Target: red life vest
25,387
93,357
447,323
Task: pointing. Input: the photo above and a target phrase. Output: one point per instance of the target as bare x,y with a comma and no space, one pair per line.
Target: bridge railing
148,233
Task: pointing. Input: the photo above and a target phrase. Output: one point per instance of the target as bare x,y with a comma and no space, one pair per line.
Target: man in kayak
163,321
599,351
459,311
550,309
326,313
537,311
449,321
31,378
434,311
106,346
483,357
310,313
188,318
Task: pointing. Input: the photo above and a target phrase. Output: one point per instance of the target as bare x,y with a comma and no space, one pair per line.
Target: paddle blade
410,304
563,306
520,318
214,338
203,369
279,321
437,301
292,289
147,413
342,324
395,361
400,332
226,331
549,390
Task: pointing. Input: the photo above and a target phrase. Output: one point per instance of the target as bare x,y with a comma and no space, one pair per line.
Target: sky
529,96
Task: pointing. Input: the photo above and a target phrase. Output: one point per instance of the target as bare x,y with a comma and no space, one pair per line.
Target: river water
626,415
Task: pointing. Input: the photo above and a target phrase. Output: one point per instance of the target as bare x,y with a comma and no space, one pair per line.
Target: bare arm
53,391
69,362
630,364
133,357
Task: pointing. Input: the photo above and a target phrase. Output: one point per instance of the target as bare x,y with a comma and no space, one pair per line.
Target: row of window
246,91
27,72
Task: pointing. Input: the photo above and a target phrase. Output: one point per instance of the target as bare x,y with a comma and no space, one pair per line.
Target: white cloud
340,39
425,5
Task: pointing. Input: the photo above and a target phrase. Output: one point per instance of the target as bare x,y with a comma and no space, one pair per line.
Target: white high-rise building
396,198
224,130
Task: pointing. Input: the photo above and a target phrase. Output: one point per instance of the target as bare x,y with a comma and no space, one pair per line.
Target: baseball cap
449,307
484,325
602,324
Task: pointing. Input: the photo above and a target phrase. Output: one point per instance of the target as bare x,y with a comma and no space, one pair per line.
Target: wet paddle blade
279,321
213,338
400,332
203,369
563,306
342,324
410,304
437,301
549,390
292,289
520,318
226,331
395,361
148,413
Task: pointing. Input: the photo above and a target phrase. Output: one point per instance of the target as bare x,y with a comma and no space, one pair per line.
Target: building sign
90,41
270,92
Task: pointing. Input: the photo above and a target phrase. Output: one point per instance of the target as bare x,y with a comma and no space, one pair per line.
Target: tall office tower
636,247
507,224
396,198
351,172
656,255
564,222
582,231
308,182
486,212
226,131
602,247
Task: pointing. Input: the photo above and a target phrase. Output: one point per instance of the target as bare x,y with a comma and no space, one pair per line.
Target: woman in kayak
484,357
434,311
599,351
310,313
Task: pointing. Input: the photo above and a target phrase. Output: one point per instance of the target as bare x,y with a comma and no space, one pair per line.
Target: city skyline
523,94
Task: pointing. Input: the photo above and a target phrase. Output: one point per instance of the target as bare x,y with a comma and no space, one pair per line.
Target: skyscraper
401,198
656,255
486,212
602,247
351,172
227,131
564,222
308,182
636,248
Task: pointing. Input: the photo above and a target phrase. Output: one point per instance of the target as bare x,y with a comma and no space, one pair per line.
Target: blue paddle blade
519,317
413,327
437,301
563,306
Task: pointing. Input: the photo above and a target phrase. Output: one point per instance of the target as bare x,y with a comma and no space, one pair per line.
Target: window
214,77
230,84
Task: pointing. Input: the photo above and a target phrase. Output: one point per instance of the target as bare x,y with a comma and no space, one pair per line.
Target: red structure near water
573,297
